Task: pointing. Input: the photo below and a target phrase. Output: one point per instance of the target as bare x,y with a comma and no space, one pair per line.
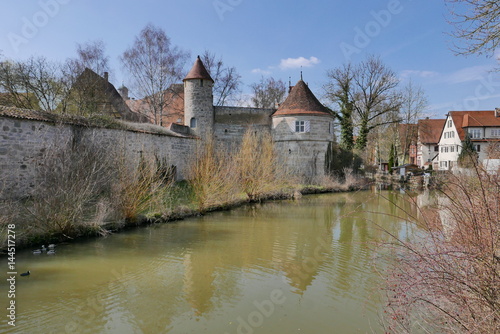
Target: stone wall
23,143
231,123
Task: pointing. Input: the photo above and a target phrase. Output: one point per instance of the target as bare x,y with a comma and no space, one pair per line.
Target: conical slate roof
301,101
198,71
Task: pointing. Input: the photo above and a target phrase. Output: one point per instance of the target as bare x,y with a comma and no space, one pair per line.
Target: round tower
198,100
302,131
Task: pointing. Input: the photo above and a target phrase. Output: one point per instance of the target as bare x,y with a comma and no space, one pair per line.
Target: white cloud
291,63
468,74
417,73
261,71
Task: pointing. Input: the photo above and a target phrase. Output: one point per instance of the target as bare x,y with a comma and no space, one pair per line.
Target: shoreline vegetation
87,192
447,278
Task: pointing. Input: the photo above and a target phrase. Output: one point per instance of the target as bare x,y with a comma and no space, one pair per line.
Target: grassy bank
88,192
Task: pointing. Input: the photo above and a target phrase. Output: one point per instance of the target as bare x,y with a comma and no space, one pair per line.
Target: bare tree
413,104
91,55
477,25
367,92
375,97
32,84
85,91
154,64
339,91
227,79
268,93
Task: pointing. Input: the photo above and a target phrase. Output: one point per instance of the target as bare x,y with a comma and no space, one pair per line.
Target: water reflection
211,274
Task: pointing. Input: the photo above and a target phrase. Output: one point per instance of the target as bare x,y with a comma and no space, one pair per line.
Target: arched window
192,123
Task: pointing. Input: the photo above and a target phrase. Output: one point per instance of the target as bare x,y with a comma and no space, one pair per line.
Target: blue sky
268,38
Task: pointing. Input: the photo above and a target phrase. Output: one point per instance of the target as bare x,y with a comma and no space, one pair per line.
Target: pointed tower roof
198,71
301,101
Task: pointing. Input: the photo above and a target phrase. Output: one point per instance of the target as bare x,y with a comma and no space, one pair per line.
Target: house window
445,135
475,133
449,123
495,132
452,149
302,126
192,123
436,148
477,148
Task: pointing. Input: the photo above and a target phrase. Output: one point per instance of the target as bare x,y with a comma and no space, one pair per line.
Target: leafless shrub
448,279
258,169
332,182
72,178
141,190
212,176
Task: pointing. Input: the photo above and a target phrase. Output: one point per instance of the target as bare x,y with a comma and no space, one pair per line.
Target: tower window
302,126
192,123
201,82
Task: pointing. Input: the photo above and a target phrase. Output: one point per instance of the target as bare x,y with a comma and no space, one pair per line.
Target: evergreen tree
468,156
391,159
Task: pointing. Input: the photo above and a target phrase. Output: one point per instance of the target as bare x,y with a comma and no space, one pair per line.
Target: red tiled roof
429,130
477,118
198,71
301,101
173,110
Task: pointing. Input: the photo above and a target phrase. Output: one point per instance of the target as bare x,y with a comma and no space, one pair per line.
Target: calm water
304,266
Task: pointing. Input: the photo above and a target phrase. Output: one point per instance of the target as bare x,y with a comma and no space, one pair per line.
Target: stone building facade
301,127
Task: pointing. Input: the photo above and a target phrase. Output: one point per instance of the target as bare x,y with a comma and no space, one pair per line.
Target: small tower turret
198,100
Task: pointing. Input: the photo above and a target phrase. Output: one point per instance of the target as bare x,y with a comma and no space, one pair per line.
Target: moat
306,266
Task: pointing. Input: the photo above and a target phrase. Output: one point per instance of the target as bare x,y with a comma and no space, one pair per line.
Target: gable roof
429,130
198,71
407,134
477,118
90,80
301,101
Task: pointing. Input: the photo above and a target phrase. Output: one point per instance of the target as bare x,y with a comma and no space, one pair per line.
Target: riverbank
183,204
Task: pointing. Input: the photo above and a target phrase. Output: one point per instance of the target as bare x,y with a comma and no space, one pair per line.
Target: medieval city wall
231,123
24,144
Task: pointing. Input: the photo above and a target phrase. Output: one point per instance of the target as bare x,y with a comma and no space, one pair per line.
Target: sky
264,38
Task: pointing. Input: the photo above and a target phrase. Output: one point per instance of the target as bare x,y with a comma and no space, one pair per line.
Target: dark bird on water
26,273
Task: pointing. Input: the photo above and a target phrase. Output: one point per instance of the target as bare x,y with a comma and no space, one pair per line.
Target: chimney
497,112
106,75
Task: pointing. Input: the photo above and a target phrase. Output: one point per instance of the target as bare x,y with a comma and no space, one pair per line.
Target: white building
483,128
429,133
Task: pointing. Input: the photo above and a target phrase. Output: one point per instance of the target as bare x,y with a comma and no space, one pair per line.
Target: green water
306,266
